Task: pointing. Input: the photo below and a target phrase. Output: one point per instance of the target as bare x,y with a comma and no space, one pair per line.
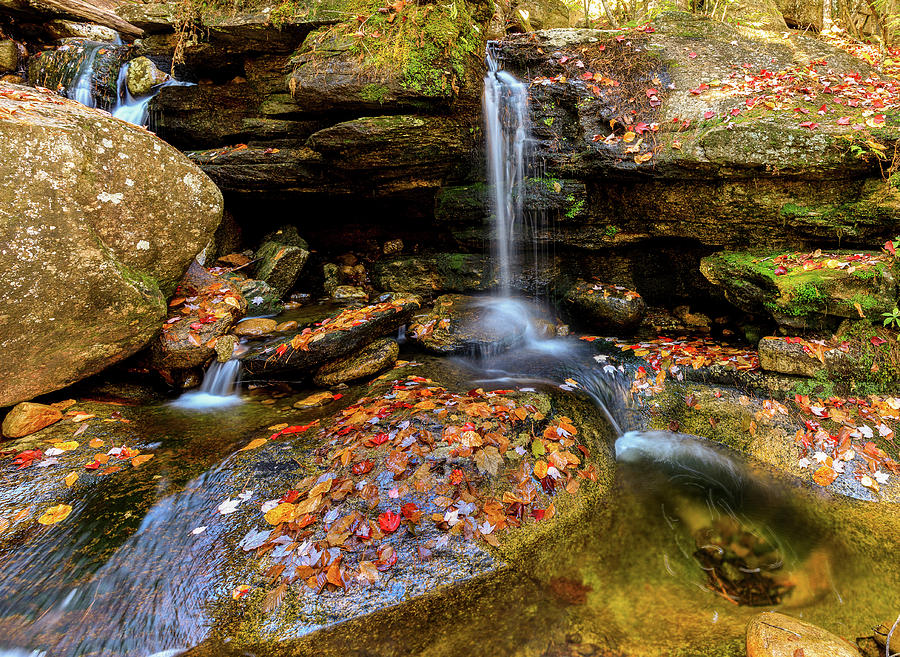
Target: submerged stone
26,418
370,360
773,634
462,324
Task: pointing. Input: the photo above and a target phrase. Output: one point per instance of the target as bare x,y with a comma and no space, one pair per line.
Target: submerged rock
370,360
606,306
88,260
773,634
26,418
803,290
333,337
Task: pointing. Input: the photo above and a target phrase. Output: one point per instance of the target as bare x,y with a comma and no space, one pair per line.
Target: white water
505,103
82,90
221,387
136,110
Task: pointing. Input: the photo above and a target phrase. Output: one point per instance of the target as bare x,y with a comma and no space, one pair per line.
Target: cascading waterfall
220,387
82,89
505,103
136,110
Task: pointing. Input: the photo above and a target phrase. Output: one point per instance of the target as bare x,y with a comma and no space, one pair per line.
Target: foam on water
220,388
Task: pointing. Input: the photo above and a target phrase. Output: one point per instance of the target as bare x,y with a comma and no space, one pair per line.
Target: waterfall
505,103
220,387
136,110
82,88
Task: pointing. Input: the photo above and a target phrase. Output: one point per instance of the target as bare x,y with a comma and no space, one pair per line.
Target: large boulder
99,220
605,305
805,289
773,634
428,274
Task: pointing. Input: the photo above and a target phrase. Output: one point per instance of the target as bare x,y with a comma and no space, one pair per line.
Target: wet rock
772,634
143,76
281,258
392,247
59,68
810,357
605,306
334,337
284,327
803,290
370,360
225,348
349,293
101,253
441,272
255,328
228,238
261,298
26,418
463,324
9,56
188,339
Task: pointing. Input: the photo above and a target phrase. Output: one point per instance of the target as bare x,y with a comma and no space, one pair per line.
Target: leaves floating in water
55,514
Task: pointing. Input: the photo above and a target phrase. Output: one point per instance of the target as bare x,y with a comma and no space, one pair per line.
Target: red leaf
889,247
844,120
389,521
708,114
877,341
362,467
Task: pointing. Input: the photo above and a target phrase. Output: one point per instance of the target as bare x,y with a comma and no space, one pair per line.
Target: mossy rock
815,293
431,274
370,360
604,306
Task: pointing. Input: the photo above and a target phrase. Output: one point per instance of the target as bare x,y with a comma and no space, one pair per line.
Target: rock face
605,306
805,289
370,360
772,634
87,259
26,418
281,258
334,337
441,272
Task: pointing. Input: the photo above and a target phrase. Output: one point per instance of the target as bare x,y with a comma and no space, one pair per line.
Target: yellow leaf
253,444
67,446
101,458
55,514
628,137
71,478
140,460
284,512
859,309
95,443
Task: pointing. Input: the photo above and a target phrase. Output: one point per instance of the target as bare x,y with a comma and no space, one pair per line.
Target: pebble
284,327
255,327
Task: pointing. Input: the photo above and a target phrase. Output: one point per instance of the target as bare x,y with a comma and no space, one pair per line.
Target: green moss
610,230
374,93
575,208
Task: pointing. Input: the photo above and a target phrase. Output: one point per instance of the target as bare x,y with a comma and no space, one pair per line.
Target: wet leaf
137,461
55,514
253,444
70,479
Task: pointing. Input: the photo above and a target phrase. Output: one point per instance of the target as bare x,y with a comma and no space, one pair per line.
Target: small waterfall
82,90
221,387
136,110
505,104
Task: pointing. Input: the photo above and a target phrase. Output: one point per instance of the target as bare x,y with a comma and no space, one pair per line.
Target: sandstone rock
281,258
334,337
368,361
772,634
9,56
88,261
441,272
255,328
26,418
190,340
143,76
392,247
605,306
821,288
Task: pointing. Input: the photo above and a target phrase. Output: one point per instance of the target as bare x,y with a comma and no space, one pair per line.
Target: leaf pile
195,312
407,470
666,354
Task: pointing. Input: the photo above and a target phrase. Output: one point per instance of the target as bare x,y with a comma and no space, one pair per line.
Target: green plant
892,318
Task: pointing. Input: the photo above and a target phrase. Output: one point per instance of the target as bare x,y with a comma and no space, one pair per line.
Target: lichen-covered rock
281,259
204,309
333,337
26,418
99,220
143,76
430,274
368,361
605,306
773,634
805,289
59,28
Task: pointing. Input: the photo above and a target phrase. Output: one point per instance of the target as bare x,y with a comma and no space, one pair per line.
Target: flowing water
687,544
82,87
136,110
